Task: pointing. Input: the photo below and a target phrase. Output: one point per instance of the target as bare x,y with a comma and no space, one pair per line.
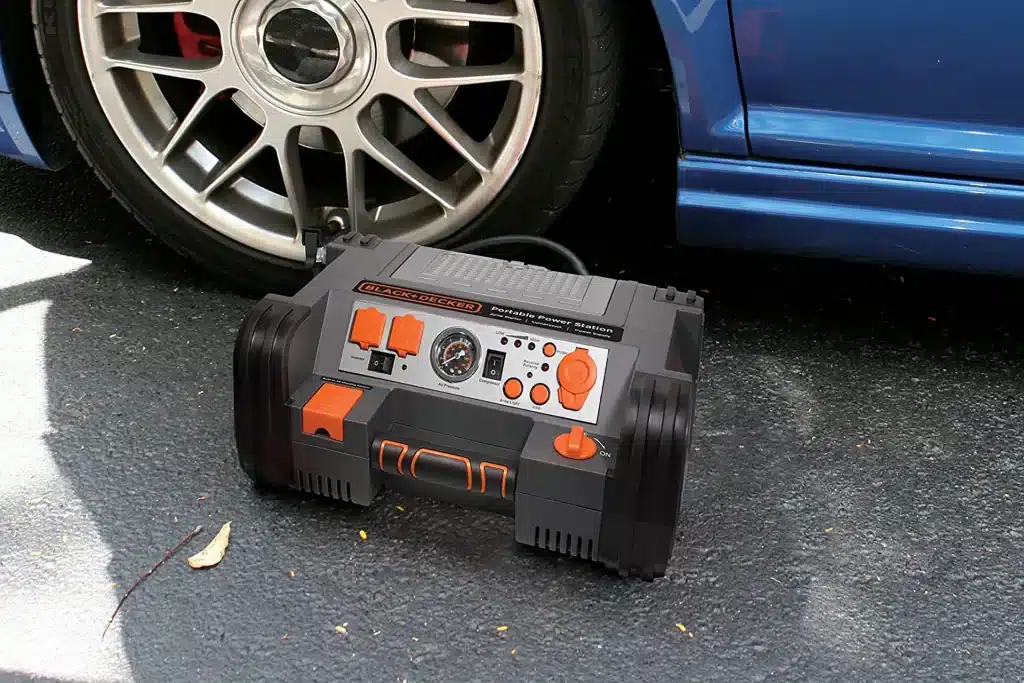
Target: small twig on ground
168,555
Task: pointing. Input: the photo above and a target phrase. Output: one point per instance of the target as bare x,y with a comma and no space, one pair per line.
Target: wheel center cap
307,48
308,56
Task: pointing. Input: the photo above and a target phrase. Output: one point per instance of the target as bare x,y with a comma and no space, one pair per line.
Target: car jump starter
563,400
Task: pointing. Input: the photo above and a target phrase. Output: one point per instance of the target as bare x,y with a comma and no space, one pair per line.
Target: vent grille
477,275
565,543
469,270
311,482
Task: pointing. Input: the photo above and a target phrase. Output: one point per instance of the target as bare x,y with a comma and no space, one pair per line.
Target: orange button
577,374
575,445
406,335
327,409
549,349
513,388
367,328
540,394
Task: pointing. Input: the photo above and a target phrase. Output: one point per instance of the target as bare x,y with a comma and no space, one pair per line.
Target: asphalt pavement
853,512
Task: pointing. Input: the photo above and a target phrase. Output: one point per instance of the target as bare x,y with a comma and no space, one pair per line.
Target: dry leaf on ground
212,554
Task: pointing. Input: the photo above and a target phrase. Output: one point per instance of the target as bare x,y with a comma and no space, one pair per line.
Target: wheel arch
648,32
36,110
701,54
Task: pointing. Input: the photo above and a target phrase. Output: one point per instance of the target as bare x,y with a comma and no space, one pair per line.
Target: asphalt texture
853,510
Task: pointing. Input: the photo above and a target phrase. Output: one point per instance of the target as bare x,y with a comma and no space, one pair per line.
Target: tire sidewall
522,206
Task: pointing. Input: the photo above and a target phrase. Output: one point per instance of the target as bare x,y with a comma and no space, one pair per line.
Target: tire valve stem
337,222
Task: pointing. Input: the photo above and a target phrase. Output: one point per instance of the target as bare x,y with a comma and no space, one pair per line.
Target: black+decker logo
418,297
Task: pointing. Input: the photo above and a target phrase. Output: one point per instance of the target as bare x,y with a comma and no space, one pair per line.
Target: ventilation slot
567,544
310,482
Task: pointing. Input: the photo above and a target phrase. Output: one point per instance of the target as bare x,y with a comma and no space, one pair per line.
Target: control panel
566,401
531,371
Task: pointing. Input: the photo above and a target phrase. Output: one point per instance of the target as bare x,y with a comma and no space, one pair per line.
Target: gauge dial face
455,355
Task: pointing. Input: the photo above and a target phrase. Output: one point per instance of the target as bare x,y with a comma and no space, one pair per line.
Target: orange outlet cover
327,409
367,328
406,335
577,374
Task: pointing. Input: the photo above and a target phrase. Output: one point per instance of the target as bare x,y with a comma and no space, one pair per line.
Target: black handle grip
465,471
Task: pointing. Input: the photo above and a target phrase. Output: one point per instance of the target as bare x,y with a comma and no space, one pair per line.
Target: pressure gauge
455,355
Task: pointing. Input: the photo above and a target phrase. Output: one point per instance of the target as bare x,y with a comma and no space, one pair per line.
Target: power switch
575,444
494,365
381,362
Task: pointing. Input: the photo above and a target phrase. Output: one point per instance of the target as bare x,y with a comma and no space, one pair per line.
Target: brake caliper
198,37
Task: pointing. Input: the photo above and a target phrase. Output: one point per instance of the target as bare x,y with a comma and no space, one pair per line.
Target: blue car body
865,129
15,140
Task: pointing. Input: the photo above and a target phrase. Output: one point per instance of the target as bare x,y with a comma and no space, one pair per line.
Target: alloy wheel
409,116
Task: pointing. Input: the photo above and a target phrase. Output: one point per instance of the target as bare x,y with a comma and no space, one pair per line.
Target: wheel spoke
455,10
226,172
128,56
291,173
364,136
457,76
218,10
438,118
187,124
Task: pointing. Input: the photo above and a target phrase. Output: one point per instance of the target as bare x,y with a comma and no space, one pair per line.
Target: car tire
582,68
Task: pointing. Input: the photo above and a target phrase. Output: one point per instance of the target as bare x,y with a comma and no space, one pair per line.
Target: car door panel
902,144
927,88
859,144
698,36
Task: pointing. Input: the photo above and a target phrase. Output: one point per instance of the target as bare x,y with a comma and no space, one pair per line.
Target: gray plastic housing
648,337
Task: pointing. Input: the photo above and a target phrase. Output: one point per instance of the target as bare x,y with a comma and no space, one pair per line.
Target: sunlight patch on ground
24,263
55,592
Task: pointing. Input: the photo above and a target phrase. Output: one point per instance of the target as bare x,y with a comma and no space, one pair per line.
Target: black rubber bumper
644,489
261,390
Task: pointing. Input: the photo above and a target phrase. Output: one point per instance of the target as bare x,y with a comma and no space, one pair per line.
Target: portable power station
566,401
